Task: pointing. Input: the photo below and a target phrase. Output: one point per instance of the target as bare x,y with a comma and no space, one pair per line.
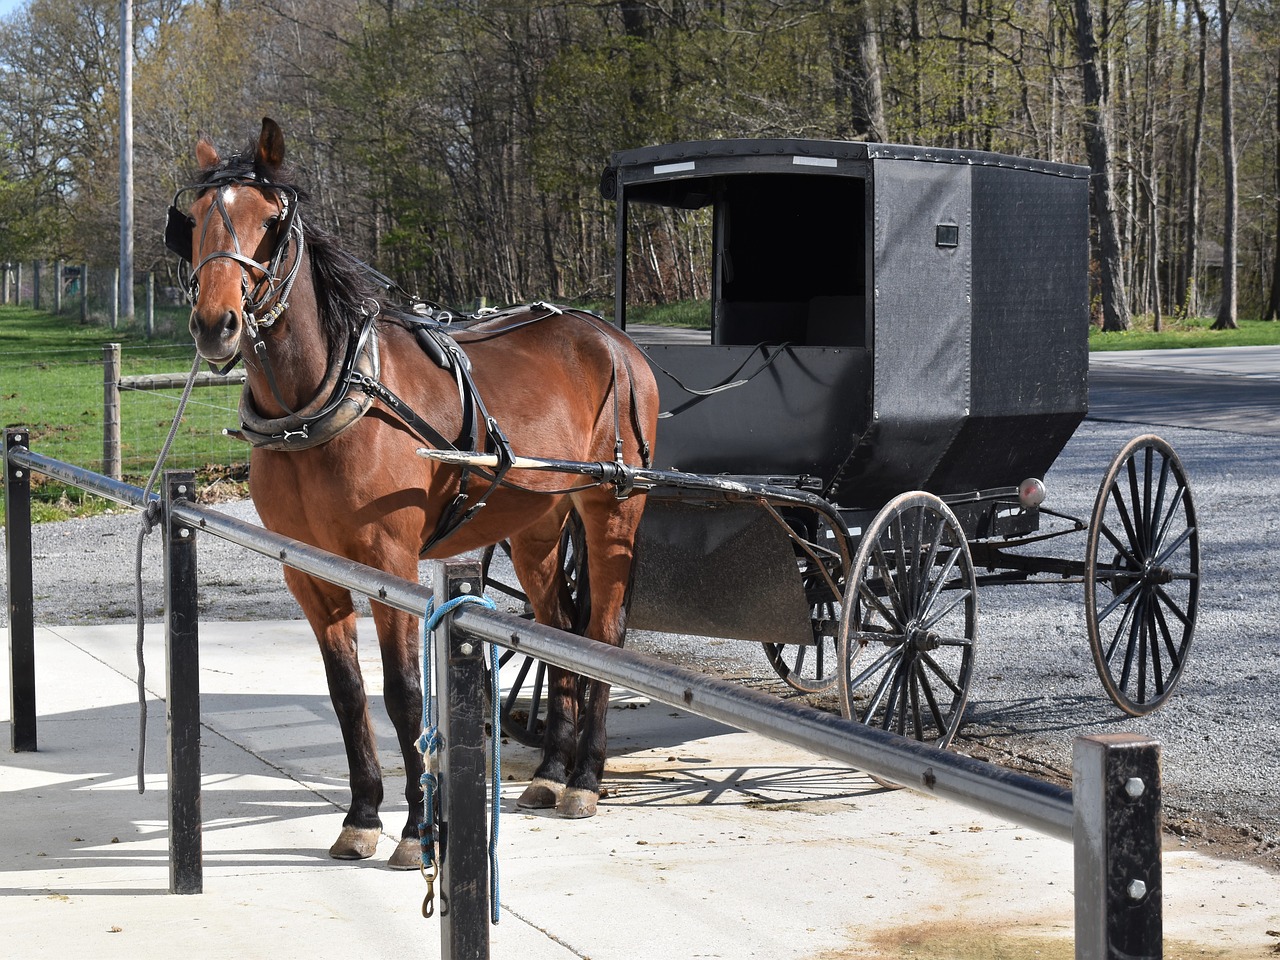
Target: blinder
178,233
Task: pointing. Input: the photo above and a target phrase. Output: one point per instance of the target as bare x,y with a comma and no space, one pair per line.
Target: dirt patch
959,941
1212,834
949,940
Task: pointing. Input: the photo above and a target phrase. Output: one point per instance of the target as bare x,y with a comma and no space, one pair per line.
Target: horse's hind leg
611,530
535,555
329,611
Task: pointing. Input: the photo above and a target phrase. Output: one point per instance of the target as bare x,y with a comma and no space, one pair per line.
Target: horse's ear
206,154
270,145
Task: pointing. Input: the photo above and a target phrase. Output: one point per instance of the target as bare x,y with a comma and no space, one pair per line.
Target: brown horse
340,395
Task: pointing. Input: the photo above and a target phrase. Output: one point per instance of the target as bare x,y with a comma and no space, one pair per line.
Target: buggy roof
684,165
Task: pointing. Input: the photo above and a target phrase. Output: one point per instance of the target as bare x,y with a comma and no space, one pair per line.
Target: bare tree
1227,307
1115,306
1187,293
1273,302
856,55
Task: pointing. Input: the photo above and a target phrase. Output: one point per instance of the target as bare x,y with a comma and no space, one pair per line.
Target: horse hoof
577,804
407,856
540,794
355,843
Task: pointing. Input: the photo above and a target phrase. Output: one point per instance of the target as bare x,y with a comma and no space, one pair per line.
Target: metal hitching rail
1112,816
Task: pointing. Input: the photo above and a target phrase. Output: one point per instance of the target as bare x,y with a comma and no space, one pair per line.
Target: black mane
341,282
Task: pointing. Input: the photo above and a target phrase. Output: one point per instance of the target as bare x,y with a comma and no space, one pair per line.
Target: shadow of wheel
523,711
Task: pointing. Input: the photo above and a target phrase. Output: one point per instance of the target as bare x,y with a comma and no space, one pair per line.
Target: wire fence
63,398
90,292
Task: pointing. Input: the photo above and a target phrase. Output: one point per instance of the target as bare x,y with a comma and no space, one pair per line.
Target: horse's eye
270,222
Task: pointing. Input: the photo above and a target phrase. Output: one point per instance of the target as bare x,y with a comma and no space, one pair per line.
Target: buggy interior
787,255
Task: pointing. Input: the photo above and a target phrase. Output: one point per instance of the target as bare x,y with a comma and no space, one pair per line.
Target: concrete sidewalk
711,843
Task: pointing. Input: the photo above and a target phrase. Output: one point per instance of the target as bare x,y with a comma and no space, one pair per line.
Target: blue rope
429,742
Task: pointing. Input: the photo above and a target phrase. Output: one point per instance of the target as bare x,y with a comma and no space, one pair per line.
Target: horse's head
242,239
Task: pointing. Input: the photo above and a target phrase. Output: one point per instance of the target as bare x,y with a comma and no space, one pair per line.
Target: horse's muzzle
217,340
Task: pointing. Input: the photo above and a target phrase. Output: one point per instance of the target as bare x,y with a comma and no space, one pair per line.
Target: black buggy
895,352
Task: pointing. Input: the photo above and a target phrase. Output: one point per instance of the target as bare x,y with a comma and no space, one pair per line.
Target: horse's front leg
330,612
402,691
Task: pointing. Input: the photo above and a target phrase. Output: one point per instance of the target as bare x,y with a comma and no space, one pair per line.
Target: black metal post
1116,793
464,862
22,628
182,710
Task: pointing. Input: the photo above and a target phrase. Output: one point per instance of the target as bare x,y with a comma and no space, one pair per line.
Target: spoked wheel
912,604
523,710
1142,575
823,574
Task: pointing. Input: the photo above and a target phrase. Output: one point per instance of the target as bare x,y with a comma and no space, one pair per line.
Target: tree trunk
1227,307
1190,263
1273,304
1115,307
857,61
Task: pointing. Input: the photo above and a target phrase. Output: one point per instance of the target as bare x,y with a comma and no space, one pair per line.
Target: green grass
1191,332
51,375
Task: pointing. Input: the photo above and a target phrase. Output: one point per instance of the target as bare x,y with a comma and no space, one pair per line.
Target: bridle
275,283
179,236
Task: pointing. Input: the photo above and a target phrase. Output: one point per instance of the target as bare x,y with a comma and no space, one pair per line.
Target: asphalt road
1233,389
1035,688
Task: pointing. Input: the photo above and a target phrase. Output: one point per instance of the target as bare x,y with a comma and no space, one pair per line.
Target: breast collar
337,405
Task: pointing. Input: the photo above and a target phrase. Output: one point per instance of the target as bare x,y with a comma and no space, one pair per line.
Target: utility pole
126,161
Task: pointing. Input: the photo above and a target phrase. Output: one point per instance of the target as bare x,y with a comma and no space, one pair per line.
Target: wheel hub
919,640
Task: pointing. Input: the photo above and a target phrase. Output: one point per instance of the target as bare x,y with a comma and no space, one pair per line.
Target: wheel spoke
948,565
1168,518
1173,547
1175,657
1126,553
1157,631
1157,506
890,619
1122,597
1137,503
890,587
941,674
960,597
1144,642
932,700
1123,511
1173,607
880,661
1135,625
901,683
801,650
914,684
1123,625
874,703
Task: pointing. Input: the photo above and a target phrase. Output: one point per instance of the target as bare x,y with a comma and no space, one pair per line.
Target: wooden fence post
111,410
